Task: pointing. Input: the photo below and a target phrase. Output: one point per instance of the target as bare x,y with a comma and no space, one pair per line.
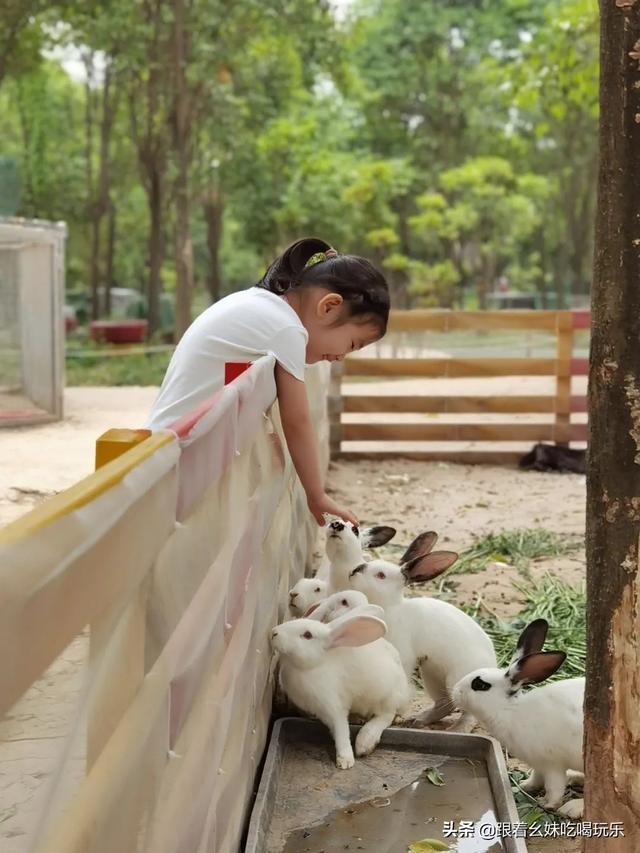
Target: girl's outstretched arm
298,430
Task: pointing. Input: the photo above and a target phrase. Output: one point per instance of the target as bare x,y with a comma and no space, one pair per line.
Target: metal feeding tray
389,800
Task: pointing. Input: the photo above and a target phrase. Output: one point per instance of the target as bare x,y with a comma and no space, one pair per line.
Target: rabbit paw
366,742
345,762
533,783
575,777
573,809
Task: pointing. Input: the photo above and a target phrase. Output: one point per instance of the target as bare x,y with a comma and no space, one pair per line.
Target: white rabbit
543,727
443,641
345,548
339,603
325,678
306,593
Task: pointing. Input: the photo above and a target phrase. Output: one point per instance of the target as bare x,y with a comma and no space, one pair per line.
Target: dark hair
363,287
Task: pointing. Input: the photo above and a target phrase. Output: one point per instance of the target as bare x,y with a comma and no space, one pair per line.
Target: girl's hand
324,504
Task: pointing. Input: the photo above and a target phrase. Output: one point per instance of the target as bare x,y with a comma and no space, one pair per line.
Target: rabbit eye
345,602
307,635
479,684
317,589
356,530
381,575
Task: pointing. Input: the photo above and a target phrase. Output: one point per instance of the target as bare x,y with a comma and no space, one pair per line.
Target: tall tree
181,121
148,93
20,36
100,109
549,89
476,228
612,722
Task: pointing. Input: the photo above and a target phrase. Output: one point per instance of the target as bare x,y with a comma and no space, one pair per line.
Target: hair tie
320,256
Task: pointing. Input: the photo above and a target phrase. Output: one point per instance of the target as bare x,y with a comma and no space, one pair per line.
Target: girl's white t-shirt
241,327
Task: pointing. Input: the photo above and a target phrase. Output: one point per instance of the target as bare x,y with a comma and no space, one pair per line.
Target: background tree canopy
453,142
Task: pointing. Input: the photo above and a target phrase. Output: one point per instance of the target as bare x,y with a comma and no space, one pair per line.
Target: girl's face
331,333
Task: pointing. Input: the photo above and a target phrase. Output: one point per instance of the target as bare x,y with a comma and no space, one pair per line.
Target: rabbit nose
274,634
293,595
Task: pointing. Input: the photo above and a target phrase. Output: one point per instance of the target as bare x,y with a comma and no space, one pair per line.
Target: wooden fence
178,555
373,405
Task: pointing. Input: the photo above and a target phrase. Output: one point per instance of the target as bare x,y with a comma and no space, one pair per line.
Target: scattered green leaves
561,604
428,845
530,810
434,776
516,547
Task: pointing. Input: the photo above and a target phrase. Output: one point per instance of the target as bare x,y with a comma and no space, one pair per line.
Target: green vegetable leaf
427,845
434,776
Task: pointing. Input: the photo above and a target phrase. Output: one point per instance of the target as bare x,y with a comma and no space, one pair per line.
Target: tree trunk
94,229
103,202
155,197
213,211
181,126
98,201
28,178
612,721
12,30
148,95
541,283
108,266
183,251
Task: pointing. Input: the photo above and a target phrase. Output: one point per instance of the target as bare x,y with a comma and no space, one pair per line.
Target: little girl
311,305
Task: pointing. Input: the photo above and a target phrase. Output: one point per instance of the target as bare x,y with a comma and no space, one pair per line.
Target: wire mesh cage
31,321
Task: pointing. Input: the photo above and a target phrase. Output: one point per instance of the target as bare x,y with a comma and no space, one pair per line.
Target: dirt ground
463,501
457,501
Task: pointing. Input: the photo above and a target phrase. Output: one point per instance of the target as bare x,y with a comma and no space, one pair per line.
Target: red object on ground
70,323
233,369
118,331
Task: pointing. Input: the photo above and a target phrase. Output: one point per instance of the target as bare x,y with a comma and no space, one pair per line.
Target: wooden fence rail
346,403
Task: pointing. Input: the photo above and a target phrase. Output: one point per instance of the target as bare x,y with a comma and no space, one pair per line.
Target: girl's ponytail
286,271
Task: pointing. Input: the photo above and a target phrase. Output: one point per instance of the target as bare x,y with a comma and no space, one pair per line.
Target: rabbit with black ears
345,548
443,641
330,670
542,727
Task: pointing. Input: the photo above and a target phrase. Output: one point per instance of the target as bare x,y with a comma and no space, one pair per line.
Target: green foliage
515,547
476,225
450,142
140,370
561,604
9,186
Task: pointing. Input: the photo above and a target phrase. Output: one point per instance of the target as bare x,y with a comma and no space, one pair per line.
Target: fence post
564,351
334,403
117,637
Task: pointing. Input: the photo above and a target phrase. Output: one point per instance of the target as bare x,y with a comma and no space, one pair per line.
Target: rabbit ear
368,610
429,566
536,667
355,630
531,640
314,607
421,545
374,537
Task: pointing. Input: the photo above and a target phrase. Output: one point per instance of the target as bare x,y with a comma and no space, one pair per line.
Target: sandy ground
457,501
36,462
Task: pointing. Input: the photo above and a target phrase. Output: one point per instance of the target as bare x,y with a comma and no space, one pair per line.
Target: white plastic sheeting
181,569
